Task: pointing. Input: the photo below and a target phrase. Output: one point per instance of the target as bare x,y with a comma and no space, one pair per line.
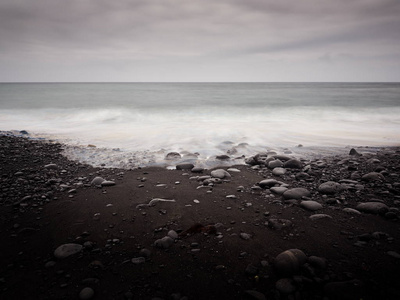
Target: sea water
138,124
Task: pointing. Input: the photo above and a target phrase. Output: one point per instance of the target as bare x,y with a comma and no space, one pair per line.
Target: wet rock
296,193
221,174
302,176
223,157
275,164
373,208
289,262
172,234
172,156
330,187
354,152
279,190
373,176
311,205
234,170
293,164
317,262
197,170
251,270
184,166
320,216
66,250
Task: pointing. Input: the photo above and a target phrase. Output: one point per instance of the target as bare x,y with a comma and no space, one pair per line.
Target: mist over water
133,124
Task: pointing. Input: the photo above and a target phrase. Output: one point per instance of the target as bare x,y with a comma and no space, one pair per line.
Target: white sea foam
139,132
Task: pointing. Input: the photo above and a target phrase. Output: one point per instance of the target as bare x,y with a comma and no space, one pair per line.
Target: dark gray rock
184,166
279,171
268,183
330,187
373,176
289,262
347,290
293,164
221,174
373,208
296,193
311,205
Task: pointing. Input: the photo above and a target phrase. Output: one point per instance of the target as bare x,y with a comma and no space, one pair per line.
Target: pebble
86,293
330,187
373,207
285,286
233,170
310,205
97,181
138,260
51,166
373,176
320,216
196,201
279,190
184,166
289,262
296,193
245,236
231,197
268,183
293,164
221,174
107,183
351,211
279,171
66,250
197,170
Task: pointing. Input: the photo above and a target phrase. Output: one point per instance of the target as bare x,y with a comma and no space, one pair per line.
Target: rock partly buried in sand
289,262
164,243
66,250
293,164
296,193
320,216
184,166
197,170
221,174
107,183
373,176
279,190
51,166
351,211
97,181
311,205
268,183
330,187
172,156
373,208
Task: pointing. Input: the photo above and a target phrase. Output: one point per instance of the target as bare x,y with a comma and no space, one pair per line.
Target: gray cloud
223,40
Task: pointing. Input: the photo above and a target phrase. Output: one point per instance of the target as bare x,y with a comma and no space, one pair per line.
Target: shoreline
48,201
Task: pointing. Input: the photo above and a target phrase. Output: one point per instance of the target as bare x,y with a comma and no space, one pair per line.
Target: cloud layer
180,40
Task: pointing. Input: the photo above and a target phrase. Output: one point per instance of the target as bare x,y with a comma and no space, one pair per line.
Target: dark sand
219,266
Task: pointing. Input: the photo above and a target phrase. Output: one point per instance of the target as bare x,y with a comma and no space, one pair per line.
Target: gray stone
311,205
97,181
245,236
373,207
351,211
279,224
172,156
279,190
51,166
394,254
330,187
197,170
184,166
86,293
172,234
221,174
373,176
267,183
107,183
293,164
289,262
282,157
234,170
320,216
279,171
164,243
285,286
275,164
296,193
138,260
66,250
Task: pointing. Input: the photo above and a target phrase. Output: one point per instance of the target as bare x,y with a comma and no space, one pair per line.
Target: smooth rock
279,224
279,190
172,234
245,236
320,216
293,164
197,170
51,166
234,170
296,193
311,205
221,174
279,171
354,152
285,286
97,181
330,187
373,176
267,183
107,183
275,164
289,262
66,250
184,166
138,260
86,293
164,243
351,211
172,156
373,207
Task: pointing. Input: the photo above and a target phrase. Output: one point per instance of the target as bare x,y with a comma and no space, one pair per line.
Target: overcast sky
204,40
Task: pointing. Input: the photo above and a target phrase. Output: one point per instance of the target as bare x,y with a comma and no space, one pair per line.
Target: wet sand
47,201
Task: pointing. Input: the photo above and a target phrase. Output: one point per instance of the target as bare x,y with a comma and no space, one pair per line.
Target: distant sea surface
138,124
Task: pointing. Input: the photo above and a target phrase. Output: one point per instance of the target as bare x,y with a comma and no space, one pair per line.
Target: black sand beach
225,235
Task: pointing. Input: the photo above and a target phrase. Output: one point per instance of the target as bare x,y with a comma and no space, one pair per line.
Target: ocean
138,124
